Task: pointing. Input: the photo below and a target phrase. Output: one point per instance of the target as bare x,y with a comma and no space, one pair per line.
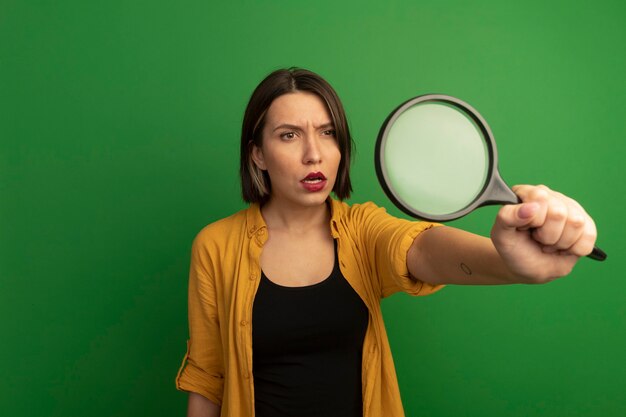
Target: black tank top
307,348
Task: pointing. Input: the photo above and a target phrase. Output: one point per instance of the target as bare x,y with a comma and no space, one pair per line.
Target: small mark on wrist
466,269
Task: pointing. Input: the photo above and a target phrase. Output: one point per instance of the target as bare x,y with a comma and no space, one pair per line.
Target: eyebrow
296,127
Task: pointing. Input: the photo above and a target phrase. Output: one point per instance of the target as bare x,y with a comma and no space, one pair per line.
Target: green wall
119,125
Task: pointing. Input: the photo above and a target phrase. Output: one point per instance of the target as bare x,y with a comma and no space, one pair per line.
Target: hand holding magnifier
460,173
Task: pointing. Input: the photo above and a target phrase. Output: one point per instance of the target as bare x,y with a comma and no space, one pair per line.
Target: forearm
445,255
199,406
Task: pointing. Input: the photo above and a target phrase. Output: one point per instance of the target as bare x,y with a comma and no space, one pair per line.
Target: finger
550,223
572,232
517,216
526,192
585,243
574,225
537,194
551,231
507,234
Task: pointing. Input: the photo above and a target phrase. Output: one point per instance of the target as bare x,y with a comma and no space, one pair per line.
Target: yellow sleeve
202,370
387,240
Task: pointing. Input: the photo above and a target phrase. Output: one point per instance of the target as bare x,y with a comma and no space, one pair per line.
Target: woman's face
299,150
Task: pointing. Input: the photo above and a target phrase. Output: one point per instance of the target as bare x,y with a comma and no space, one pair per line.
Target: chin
316,200
312,200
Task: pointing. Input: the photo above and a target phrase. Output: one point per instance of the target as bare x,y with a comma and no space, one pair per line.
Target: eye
329,132
288,135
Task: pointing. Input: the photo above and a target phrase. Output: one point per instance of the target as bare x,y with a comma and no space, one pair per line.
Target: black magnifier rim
480,123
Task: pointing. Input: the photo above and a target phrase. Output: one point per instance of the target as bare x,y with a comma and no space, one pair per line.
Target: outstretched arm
198,406
536,241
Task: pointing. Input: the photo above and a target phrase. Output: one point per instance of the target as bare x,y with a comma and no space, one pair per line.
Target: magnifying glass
458,170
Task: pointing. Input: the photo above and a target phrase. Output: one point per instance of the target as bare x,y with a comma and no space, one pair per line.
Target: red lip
314,186
315,175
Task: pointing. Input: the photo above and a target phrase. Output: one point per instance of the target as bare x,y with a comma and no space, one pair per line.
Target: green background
119,124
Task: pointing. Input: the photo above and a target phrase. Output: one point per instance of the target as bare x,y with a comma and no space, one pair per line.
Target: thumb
518,216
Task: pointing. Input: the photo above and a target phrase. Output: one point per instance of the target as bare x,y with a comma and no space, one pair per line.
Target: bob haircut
255,183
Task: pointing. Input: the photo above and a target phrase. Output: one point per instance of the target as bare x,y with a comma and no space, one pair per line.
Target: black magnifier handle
597,254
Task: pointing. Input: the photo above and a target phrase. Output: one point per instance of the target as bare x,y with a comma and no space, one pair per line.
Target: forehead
298,108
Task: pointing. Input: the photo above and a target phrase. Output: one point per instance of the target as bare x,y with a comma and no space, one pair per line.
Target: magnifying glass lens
436,159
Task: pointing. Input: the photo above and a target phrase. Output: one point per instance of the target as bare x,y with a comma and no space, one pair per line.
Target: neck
295,219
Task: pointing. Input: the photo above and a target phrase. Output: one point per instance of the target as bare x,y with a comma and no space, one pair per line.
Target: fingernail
527,210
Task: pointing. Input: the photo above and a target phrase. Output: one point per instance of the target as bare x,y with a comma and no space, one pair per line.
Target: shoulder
372,221
341,208
217,244
359,213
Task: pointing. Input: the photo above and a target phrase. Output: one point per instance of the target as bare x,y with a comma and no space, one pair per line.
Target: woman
284,296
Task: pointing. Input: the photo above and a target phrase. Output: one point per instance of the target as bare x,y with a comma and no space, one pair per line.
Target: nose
312,153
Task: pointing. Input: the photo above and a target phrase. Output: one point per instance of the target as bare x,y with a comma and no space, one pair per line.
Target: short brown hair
255,183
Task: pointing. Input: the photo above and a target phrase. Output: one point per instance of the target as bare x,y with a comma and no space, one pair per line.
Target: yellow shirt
224,276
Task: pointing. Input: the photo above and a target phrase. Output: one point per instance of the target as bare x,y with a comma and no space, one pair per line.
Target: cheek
332,151
336,156
278,163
